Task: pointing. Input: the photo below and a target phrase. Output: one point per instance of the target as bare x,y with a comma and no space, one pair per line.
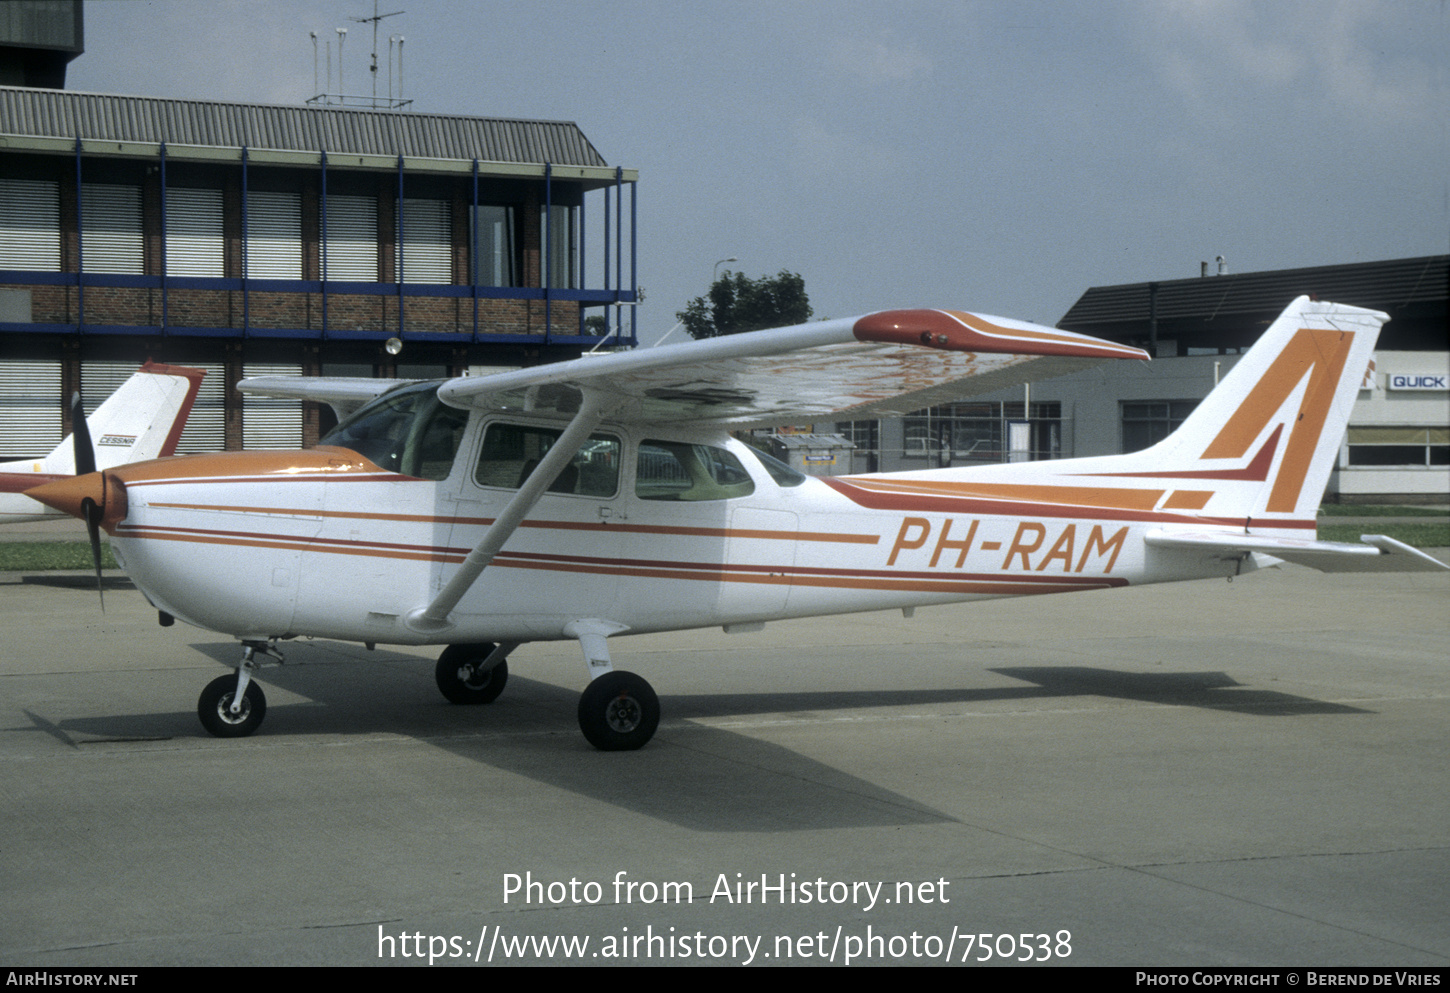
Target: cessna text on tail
140,421
606,496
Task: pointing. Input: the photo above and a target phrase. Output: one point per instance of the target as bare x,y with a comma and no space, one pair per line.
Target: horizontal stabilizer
1378,553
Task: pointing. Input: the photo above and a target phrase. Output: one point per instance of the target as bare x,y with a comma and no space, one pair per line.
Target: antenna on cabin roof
327,97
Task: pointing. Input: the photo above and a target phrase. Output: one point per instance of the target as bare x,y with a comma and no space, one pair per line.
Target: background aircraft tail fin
142,420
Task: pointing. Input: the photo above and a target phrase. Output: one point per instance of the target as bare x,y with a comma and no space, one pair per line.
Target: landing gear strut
233,706
473,673
618,711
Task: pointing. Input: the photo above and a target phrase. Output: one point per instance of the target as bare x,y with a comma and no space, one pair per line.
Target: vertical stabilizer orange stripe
1319,353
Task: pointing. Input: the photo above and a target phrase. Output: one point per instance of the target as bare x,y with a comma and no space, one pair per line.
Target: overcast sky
992,156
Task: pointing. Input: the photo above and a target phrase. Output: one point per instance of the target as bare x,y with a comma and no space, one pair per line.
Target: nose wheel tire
460,680
618,712
214,708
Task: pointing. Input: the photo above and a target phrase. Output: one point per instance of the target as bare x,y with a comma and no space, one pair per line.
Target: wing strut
433,619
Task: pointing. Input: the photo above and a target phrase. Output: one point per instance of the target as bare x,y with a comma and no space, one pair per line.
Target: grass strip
43,556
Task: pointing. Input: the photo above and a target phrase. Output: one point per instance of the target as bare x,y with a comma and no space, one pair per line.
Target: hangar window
675,470
1147,422
1399,446
511,453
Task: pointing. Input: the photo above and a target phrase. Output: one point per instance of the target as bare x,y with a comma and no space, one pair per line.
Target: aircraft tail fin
1261,446
142,420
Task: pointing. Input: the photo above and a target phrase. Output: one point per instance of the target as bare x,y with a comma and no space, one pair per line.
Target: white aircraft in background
605,496
142,420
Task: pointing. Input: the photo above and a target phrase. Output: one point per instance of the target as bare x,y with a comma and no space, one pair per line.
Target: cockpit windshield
408,431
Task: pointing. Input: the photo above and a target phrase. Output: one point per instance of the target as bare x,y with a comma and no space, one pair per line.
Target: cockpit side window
675,470
408,431
511,452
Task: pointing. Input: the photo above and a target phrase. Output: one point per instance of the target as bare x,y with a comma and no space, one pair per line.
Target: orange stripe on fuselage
882,581
885,498
1077,496
657,529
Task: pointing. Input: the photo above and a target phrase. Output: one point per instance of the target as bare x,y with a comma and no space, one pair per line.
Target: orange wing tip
958,331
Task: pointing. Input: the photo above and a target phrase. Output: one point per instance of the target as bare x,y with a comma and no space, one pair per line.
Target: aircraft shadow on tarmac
697,776
1209,690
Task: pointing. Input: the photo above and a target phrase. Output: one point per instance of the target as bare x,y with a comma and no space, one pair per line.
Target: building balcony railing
258,308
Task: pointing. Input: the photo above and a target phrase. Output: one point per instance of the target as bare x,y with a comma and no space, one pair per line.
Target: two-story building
255,240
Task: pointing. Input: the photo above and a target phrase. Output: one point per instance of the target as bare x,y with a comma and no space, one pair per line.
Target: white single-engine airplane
141,421
605,496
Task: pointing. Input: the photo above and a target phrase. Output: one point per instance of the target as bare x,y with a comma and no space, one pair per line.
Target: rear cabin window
674,470
511,452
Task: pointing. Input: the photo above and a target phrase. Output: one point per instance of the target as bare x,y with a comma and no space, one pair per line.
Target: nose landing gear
233,706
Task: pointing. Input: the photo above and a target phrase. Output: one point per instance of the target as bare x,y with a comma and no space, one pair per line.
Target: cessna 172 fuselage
607,496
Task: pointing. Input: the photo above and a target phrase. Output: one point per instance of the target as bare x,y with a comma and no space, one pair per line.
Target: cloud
873,62
820,154
1360,57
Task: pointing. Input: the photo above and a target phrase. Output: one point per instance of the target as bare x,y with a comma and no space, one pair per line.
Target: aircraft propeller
85,455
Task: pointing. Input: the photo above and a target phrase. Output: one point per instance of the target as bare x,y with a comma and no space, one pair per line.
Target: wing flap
1378,553
891,362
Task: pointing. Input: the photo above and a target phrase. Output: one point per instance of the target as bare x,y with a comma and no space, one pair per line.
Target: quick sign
1418,381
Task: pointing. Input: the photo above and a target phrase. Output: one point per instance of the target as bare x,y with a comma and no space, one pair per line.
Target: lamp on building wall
393,345
716,274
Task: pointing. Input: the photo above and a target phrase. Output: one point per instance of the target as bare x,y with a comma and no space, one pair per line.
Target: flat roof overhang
590,177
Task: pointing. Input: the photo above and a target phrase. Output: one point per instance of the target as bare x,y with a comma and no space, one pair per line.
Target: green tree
736,303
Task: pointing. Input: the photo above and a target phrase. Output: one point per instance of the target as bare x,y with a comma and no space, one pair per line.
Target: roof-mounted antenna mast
342,97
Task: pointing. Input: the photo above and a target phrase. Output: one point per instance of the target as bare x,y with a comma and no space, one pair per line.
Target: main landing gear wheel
618,712
460,680
215,708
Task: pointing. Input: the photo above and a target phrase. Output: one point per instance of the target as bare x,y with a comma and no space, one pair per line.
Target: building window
351,249
271,422
206,428
274,235
425,245
194,241
978,432
560,246
1406,446
30,225
493,234
1147,422
30,400
865,437
111,236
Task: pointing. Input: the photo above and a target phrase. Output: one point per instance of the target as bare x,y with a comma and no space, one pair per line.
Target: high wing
342,394
890,362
